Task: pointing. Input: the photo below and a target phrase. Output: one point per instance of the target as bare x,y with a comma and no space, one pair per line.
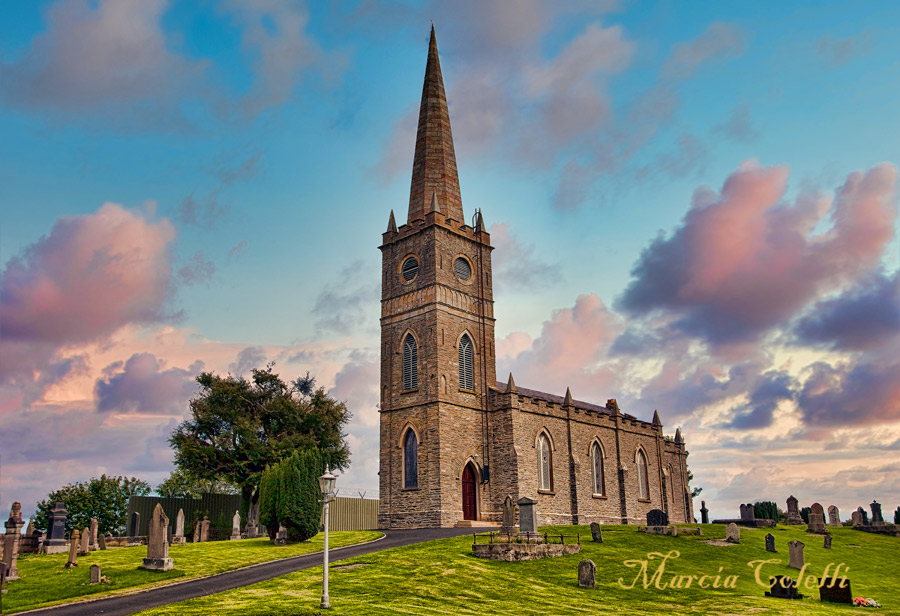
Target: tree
765,510
183,484
289,495
238,427
105,498
695,492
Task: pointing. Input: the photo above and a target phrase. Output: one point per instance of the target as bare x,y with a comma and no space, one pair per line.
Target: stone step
477,524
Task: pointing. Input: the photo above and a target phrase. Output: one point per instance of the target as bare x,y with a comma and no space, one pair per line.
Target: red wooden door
468,494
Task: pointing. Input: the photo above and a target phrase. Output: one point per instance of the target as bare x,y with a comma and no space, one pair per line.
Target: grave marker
179,527
236,526
508,524
816,518
73,549
795,554
733,533
55,542
596,533
94,528
95,574
830,589
527,515
157,546
793,511
827,544
704,513
877,520
834,516
770,543
84,547
587,574
657,517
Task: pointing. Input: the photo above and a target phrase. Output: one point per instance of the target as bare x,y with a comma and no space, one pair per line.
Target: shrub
289,495
897,516
804,513
765,510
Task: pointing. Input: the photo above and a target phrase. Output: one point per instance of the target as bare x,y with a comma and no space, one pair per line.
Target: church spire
434,176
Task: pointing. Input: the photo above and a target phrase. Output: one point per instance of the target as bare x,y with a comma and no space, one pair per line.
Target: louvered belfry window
599,479
466,364
462,268
410,268
410,460
643,479
410,363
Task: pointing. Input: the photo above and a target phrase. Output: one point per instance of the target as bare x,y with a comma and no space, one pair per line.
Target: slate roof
541,395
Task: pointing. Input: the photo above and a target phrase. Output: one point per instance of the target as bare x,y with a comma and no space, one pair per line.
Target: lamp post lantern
326,486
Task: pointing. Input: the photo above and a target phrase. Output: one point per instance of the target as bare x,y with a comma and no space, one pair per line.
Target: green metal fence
219,507
353,514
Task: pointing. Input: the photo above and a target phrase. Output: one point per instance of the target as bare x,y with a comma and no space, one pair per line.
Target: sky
694,208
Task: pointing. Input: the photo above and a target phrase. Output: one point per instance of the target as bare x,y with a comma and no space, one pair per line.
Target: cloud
109,59
237,250
142,385
838,51
769,390
342,309
229,175
204,215
197,270
248,359
719,40
861,318
738,126
514,265
742,262
92,274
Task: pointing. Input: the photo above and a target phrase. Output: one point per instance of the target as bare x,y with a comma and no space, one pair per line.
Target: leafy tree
238,427
289,495
695,492
182,484
105,498
765,510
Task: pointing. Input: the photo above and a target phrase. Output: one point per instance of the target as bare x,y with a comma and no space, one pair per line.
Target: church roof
434,176
541,395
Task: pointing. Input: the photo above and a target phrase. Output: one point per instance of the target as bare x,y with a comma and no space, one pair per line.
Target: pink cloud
89,276
143,385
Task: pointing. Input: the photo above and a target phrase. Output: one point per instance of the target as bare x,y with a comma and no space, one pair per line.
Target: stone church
454,440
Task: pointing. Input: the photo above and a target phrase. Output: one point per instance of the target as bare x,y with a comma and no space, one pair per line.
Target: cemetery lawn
442,577
45,581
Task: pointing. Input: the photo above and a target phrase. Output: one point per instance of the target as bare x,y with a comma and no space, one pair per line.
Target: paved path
154,597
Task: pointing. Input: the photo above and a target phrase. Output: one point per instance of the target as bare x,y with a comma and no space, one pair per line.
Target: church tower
437,340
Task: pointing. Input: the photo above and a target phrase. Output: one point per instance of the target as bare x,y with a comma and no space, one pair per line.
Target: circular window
410,269
463,269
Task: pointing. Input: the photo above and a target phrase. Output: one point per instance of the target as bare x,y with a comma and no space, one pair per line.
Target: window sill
415,489
643,500
547,492
409,391
601,496
467,391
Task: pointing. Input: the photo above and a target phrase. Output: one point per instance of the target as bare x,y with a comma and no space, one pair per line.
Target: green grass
442,577
44,580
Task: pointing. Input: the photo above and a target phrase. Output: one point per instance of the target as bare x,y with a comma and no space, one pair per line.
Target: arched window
643,481
599,484
545,464
466,363
410,363
410,460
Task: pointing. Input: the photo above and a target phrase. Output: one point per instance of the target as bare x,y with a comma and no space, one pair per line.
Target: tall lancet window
597,463
410,460
466,364
545,464
643,481
410,363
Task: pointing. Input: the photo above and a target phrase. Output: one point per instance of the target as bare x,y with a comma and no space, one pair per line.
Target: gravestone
877,520
134,528
15,514
84,548
733,533
596,533
73,549
704,513
55,542
856,518
830,589
281,536
827,544
834,516
196,538
747,513
204,529
770,543
11,548
95,525
816,518
783,587
157,546
179,528
251,530
795,554
863,515
793,511
508,523
95,574
102,541
657,517
587,574
527,515
2,578
236,526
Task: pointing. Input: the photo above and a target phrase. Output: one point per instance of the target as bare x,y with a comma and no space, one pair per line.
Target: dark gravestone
657,517
587,574
783,587
793,511
596,533
102,541
770,543
56,533
827,545
747,513
3,578
704,513
95,574
877,520
830,589
527,515
863,515
509,515
134,528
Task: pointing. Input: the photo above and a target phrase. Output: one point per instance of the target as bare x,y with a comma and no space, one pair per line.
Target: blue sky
255,149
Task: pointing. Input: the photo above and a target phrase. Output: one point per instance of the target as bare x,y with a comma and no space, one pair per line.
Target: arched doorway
469,497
